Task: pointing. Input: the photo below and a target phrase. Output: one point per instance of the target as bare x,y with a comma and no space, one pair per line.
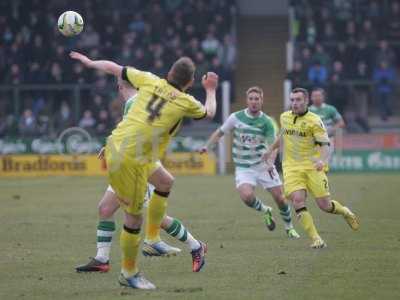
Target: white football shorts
258,175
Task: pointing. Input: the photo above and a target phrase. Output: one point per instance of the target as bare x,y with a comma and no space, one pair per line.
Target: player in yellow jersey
109,205
135,146
304,145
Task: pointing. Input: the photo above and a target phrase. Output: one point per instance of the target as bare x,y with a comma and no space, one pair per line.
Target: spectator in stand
384,78
36,74
393,22
80,74
373,11
362,53
318,74
98,105
297,75
368,32
63,118
87,122
329,33
125,58
385,54
343,54
193,47
311,32
321,56
338,71
103,124
89,38
210,45
56,74
227,53
361,93
217,67
306,58
158,68
15,75
27,124
350,35
201,67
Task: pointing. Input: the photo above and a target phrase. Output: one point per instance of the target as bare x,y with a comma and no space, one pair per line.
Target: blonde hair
255,89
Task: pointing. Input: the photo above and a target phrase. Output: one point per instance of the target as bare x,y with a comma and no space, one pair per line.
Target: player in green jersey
330,116
252,132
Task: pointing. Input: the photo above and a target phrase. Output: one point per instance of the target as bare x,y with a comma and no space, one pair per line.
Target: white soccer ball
70,23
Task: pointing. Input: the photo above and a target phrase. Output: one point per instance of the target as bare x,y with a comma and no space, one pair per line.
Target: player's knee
247,196
298,201
325,205
105,211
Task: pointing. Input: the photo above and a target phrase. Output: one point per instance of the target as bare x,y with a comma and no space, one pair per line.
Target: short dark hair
301,90
182,72
319,89
255,89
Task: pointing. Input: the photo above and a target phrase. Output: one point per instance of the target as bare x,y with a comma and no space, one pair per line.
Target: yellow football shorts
315,182
128,178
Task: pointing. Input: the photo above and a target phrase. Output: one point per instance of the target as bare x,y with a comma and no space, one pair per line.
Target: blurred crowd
149,35
350,47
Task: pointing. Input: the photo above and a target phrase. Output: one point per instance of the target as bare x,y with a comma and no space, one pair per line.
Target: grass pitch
48,226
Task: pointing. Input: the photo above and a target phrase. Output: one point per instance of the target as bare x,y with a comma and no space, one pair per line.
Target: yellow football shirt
301,134
145,131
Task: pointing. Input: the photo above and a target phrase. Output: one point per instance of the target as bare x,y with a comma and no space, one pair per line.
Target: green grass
48,227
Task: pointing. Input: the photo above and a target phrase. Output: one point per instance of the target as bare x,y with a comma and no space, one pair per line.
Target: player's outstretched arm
106,66
210,84
214,138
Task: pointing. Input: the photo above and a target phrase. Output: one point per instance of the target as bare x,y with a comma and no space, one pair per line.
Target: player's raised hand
82,58
210,81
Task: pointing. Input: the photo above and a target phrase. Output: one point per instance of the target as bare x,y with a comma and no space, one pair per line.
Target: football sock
155,214
129,240
337,208
306,221
177,230
258,205
286,216
105,231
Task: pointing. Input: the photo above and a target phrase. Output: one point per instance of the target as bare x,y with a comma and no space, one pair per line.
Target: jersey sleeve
194,109
229,124
336,116
319,132
136,77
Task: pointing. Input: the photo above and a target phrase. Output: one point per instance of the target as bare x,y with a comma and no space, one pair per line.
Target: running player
109,205
305,146
134,147
252,131
331,118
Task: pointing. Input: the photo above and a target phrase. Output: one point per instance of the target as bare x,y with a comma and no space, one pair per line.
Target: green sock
178,231
105,231
286,216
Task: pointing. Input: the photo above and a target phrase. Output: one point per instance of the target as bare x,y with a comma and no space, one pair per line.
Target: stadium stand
351,48
49,92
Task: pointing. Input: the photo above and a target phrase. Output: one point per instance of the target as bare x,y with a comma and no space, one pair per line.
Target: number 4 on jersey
154,107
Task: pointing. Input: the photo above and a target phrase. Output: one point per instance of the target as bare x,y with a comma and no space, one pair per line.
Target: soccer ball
70,23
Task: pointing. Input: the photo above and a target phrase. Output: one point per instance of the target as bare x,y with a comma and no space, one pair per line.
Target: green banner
78,143
366,160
